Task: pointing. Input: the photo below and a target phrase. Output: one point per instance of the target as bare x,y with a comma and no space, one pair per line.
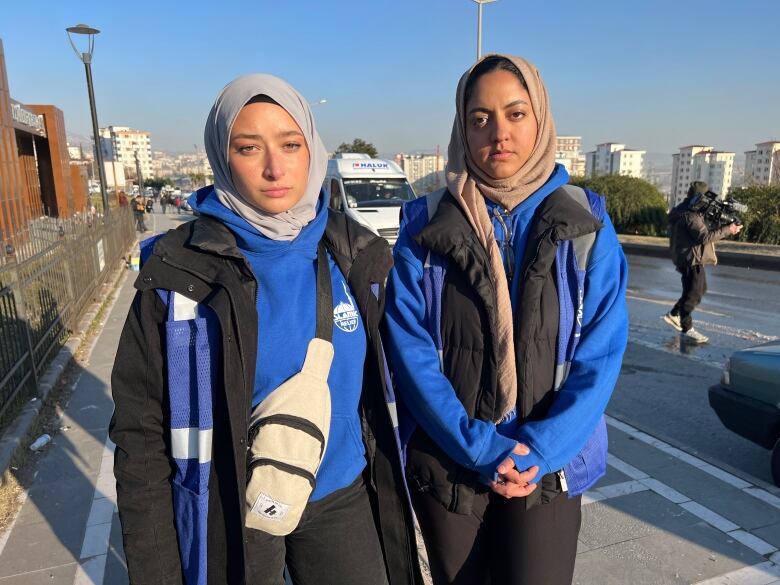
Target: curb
725,257
16,436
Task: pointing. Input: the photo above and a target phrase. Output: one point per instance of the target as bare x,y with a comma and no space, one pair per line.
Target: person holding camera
692,243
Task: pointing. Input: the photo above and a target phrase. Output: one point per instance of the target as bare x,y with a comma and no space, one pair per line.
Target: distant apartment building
568,152
700,163
612,158
166,165
424,171
762,165
121,144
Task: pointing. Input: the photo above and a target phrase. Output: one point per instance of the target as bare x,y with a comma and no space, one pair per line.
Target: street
663,384
661,515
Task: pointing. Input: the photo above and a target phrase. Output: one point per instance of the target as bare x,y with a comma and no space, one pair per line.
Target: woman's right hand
513,483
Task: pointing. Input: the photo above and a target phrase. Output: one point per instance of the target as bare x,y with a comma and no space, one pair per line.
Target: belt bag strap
324,296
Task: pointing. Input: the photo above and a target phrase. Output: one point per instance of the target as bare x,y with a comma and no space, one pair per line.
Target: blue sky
655,75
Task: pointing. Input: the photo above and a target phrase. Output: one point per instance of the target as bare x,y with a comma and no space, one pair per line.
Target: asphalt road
663,385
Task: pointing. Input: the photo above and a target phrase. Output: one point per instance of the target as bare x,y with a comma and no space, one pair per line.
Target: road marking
671,304
94,548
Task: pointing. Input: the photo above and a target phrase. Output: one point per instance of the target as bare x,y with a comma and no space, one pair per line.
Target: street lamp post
479,25
86,58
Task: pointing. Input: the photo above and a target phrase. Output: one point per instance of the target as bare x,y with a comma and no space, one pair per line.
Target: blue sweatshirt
286,311
481,445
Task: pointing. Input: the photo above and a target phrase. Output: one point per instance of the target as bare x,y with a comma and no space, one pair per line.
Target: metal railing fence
49,273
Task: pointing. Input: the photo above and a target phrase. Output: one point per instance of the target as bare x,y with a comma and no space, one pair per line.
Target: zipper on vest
564,483
507,251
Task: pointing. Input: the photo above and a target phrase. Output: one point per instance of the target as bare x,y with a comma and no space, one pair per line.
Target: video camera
716,210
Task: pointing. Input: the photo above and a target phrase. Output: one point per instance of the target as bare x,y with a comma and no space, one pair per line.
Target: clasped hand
513,483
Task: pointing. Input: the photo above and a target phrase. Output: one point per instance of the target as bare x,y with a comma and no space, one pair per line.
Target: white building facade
612,158
122,144
568,152
700,163
424,171
762,165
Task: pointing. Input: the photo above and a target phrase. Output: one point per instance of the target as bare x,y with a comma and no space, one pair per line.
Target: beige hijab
468,184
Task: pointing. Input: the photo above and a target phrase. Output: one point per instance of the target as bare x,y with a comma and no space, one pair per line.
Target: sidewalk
659,516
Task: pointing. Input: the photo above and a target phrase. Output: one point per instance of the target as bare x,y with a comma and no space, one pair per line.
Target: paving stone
62,575
41,546
623,563
734,504
612,477
608,522
769,533
116,566
633,451
70,499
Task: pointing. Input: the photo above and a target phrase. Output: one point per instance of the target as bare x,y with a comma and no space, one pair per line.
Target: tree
358,145
762,219
157,183
634,205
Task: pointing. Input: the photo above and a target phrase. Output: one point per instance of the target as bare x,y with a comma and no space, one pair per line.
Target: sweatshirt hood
249,240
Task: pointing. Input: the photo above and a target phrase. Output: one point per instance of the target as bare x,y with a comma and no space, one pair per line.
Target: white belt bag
288,431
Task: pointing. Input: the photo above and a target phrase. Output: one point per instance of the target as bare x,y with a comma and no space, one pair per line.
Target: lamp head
83,29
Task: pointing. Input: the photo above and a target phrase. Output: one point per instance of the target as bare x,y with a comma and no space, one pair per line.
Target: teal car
747,400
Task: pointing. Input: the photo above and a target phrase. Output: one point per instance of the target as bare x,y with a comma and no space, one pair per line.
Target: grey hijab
235,95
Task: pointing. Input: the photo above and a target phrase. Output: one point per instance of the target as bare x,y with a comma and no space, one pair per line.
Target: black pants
500,542
336,543
694,285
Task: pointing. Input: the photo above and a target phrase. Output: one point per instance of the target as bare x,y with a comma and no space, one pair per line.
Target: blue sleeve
581,401
428,394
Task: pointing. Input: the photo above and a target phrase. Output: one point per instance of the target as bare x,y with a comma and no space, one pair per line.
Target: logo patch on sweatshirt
345,315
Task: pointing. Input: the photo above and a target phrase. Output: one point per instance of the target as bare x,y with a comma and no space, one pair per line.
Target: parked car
747,400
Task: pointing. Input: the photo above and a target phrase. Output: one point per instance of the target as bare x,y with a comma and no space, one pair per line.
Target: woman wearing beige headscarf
507,325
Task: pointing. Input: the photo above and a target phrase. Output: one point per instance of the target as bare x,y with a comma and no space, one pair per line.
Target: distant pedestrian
692,243
507,322
163,202
177,203
139,208
251,425
149,205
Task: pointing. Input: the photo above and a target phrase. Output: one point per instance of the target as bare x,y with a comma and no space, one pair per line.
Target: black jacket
691,240
200,260
468,325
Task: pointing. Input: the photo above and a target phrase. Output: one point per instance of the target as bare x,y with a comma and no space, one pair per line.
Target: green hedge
634,205
762,220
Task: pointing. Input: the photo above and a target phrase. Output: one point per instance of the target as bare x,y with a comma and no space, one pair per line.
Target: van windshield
378,192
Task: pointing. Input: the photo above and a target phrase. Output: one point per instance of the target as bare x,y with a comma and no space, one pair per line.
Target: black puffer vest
469,322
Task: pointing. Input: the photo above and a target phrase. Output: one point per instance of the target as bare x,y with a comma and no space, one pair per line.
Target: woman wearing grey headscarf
251,425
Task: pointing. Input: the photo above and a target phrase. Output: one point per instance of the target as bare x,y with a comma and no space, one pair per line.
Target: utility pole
479,25
139,175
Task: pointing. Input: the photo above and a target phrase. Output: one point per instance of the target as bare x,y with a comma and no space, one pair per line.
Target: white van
370,190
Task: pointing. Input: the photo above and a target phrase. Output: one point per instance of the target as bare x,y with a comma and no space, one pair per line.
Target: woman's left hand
514,484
